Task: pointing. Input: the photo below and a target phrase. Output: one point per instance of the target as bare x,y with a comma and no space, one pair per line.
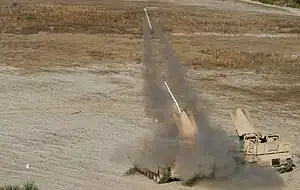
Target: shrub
26,186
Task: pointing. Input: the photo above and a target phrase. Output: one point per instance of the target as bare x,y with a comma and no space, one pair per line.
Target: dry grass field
119,26
289,3
31,18
47,50
60,57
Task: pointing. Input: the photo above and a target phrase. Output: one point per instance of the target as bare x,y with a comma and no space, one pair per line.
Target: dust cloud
212,163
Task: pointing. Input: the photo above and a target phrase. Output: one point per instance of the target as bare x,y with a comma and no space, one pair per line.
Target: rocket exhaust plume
212,163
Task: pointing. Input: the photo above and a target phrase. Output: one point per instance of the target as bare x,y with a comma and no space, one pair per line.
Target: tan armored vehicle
267,150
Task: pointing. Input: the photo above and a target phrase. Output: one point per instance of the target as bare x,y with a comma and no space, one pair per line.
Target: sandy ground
68,150
75,151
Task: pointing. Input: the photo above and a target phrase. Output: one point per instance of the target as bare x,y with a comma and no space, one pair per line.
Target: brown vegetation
286,3
122,42
43,52
28,19
257,61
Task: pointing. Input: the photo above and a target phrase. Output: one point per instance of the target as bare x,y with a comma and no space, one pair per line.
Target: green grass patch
26,186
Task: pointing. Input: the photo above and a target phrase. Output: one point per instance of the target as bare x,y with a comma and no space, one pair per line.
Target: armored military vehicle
186,126
267,150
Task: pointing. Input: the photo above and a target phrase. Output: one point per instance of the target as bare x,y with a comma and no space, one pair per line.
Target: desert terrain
71,82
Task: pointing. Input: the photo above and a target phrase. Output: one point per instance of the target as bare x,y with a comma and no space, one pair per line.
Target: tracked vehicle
266,150
186,126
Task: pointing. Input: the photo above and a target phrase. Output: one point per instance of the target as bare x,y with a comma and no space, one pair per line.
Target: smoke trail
158,149
214,156
175,73
209,159
157,100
